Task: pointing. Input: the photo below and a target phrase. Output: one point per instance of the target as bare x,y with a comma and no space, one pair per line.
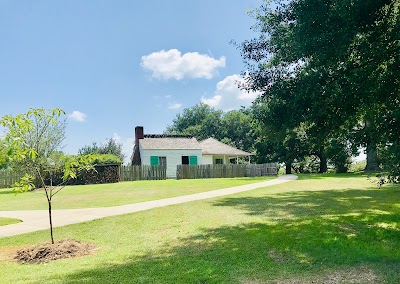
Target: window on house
185,160
162,161
189,160
158,161
219,161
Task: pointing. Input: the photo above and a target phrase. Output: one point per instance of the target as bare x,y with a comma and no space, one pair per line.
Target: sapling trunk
51,222
49,196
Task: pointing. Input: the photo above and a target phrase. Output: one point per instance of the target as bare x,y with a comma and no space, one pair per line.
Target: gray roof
169,144
211,146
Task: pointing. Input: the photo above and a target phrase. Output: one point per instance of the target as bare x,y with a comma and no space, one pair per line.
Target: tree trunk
323,166
51,222
288,168
341,169
323,163
372,163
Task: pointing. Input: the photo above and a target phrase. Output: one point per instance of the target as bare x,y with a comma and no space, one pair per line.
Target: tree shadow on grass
330,175
10,191
318,203
316,232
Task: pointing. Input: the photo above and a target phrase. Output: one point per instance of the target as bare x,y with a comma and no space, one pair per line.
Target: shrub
358,166
106,170
106,159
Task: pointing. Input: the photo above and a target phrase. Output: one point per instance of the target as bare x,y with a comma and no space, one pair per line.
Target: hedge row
101,174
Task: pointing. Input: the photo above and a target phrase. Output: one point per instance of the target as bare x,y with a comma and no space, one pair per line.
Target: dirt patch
360,275
46,252
278,257
8,253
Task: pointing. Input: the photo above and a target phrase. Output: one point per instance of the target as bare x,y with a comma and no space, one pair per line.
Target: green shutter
193,160
153,160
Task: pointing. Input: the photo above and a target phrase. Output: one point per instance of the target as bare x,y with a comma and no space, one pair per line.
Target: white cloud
127,146
78,116
172,64
174,106
229,96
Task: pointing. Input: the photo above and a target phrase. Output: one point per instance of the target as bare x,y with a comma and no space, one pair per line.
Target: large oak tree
332,65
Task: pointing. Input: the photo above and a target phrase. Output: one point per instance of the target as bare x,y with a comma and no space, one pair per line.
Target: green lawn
103,195
318,229
7,221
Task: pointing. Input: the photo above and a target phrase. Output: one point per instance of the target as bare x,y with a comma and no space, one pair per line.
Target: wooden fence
225,171
131,173
8,178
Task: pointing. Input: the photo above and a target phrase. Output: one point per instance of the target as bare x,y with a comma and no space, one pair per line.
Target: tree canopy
331,66
202,121
110,147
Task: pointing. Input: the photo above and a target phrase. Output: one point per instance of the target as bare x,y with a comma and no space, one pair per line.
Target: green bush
106,170
106,159
358,166
310,164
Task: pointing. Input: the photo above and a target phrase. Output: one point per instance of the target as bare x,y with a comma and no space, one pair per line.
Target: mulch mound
43,253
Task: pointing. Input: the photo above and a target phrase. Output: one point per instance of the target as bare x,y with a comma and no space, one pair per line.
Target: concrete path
36,220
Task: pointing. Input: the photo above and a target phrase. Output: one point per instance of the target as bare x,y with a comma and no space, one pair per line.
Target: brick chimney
139,134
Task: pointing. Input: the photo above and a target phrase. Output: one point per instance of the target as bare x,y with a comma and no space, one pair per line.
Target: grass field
318,229
104,195
8,221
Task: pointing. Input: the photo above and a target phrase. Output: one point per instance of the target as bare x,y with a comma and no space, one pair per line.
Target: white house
174,150
170,152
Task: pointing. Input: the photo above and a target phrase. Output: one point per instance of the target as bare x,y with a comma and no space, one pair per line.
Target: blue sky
112,65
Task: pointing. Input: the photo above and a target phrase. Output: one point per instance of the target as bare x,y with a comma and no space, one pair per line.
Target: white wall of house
225,159
207,160
211,159
174,158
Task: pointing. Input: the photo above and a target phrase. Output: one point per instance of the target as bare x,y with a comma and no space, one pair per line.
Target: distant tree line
111,147
202,121
241,129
